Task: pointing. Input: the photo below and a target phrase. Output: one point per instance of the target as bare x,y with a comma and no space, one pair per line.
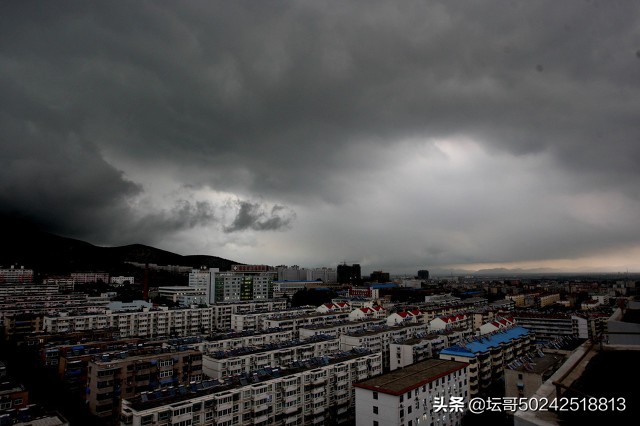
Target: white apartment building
185,296
403,353
222,311
295,322
289,288
551,326
89,277
121,280
333,307
16,275
318,391
403,317
448,322
143,323
378,339
64,284
234,340
222,364
415,395
337,329
375,312
496,325
295,273
255,320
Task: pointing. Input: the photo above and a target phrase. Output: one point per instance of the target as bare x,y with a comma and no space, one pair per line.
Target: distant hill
49,253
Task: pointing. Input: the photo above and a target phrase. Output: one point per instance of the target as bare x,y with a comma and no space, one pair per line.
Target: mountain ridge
50,253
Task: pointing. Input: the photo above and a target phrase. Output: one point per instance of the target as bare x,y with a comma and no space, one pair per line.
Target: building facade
409,397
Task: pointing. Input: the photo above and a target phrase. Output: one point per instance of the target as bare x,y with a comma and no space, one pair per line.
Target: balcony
319,381
259,419
290,410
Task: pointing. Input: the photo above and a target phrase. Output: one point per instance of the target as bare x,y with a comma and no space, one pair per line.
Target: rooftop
486,342
173,395
415,375
270,347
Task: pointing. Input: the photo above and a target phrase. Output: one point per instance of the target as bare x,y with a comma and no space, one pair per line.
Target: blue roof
484,344
388,285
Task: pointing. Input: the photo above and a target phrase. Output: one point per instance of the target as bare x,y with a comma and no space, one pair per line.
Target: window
520,376
375,410
375,423
409,409
375,395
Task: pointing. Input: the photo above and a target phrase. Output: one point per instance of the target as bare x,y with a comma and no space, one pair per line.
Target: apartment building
525,376
415,395
488,355
125,374
72,361
23,314
403,353
145,322
255,320
89,277
295,273
448,322
16,275
222,311
154,322
496,325
375,312
547,299
234,340
339,328
297,321
317,391
550,326
402,317
222,364
378,339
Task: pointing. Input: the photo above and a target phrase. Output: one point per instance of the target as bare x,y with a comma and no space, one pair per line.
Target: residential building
317,391
89,277
339,328
13,275
378,339
524,376
125,374
403,353
415,395
488,355
222,364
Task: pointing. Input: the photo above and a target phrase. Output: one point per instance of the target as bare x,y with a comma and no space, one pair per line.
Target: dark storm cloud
291,101
259,218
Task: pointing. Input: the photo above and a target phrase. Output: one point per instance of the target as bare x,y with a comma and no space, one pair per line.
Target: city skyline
421,135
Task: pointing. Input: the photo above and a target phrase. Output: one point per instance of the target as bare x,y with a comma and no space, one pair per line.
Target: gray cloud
321,105
259,218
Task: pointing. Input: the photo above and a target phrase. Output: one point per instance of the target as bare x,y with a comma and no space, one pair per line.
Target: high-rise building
423,274
349,274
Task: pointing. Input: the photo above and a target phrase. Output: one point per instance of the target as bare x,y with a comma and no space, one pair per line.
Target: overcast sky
399,135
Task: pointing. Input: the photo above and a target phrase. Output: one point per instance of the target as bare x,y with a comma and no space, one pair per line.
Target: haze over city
420,135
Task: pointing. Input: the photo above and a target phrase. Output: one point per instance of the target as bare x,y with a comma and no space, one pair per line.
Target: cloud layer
402,136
